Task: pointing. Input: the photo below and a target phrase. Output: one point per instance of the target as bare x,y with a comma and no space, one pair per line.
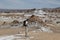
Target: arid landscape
42,24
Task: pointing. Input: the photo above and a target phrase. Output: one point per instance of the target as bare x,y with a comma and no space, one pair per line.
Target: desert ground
42,26
37,35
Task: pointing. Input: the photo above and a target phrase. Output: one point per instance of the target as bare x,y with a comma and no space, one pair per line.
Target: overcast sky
21,4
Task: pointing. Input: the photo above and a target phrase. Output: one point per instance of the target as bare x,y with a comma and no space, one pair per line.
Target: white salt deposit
15,37
45,29
11,37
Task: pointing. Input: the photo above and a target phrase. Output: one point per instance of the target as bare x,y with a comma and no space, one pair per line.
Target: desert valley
43,24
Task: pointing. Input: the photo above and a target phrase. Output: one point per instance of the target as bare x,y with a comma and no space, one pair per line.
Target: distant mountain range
29,10
15,10
56,10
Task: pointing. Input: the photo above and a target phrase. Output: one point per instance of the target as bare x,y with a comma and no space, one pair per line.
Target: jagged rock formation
51,10
44,26
41,17
15,22
38,23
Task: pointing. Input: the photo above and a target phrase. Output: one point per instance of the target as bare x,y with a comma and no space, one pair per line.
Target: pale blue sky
21,4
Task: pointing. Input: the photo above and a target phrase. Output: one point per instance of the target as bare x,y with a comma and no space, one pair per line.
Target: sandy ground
37,35
45,36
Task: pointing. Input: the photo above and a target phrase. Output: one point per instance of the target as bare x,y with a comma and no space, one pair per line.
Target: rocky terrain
45,20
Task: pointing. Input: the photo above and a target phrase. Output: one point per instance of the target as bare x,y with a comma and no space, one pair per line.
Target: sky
23,4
